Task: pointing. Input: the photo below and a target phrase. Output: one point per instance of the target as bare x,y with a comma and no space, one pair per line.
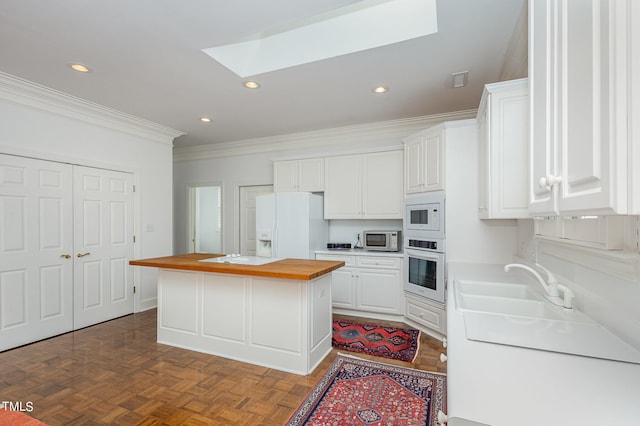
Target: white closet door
36,237
103,245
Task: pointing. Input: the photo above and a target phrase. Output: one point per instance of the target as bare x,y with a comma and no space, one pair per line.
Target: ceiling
146,59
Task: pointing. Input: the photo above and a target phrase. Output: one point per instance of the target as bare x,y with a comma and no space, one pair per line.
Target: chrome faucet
551,286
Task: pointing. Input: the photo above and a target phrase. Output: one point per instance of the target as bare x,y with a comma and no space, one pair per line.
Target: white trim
393,131
23,92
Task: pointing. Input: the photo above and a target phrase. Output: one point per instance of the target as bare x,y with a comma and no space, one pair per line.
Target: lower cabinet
430,314
367,283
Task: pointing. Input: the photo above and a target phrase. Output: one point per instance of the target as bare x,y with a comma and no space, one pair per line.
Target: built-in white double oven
424,246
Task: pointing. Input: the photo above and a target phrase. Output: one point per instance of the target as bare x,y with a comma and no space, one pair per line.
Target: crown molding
392,131
32,95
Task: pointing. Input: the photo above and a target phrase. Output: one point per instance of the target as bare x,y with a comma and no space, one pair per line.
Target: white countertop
507,385
361,252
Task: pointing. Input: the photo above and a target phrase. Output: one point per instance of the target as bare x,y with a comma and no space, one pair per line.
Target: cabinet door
502,151
378,290
343,292
414,165
311,175
382,195
589,104
578,56
434,166
343,194
484,193
541,92
285,176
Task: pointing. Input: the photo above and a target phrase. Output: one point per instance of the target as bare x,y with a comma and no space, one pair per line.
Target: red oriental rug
370,339
355,391
17,418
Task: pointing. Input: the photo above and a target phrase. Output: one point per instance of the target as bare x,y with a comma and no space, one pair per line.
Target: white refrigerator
290,224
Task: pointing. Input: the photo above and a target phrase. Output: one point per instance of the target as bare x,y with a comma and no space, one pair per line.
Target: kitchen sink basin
508,306
513,314
513,299
241,260
484,288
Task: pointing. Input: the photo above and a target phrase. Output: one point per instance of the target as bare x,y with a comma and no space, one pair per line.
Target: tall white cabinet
580,82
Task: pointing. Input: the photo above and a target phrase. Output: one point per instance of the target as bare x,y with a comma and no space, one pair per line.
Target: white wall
470,239
41,123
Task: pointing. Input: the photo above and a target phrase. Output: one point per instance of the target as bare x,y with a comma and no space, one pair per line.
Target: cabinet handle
66,256
444,342
548,181
443,358
83,254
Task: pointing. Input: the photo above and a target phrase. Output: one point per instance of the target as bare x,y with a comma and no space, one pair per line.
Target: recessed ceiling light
205,119
251,84
79,68
380,89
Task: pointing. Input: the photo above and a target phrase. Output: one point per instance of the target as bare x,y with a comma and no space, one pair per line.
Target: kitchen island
275,314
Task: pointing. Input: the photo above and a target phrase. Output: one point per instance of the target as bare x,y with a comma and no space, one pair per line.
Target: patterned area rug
370,339
354,391
17,418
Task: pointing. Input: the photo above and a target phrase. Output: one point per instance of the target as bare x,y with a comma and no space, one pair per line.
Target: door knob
83,254
66,256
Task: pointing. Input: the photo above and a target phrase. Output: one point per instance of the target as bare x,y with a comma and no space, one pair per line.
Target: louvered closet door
103,245
36,237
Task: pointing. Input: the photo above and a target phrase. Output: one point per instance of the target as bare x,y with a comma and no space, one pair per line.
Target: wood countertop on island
295,269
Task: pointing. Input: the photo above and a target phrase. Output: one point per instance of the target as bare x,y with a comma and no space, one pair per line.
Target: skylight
360,26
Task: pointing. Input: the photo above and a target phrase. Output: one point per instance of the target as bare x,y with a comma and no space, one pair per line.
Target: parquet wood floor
115,373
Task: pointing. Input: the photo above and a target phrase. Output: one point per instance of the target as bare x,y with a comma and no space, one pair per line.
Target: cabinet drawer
379,262
348,260
426,314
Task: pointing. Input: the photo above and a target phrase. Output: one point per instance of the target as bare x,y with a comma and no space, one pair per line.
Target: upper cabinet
364,186
581,80
503,134
299,175
424,161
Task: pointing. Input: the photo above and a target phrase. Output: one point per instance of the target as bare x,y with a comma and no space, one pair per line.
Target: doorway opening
205,219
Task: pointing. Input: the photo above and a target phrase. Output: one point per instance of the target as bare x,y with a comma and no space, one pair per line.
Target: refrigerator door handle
274,241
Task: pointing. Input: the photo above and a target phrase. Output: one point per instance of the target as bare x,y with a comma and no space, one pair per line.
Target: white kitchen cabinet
365,186
580,85
424,161
503,135
429,314
299,175
366,283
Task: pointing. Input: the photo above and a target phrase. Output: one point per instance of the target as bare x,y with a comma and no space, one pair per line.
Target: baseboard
145,305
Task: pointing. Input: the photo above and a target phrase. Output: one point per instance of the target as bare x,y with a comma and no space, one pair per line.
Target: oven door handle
424,255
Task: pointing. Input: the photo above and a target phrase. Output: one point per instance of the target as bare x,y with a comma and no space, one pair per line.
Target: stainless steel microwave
382,240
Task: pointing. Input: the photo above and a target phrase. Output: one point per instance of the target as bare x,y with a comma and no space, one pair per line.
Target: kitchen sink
513,299
484,288
241,260
513,314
